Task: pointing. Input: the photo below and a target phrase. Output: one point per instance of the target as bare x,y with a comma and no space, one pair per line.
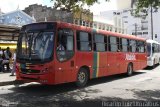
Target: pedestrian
1,59
14,64
1,52
7,56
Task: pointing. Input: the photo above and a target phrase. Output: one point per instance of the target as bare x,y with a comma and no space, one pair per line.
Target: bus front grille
28,71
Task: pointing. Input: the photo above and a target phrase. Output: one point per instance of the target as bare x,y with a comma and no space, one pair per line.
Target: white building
136,26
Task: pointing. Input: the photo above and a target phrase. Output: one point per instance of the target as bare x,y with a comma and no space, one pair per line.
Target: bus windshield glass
148,49
35,46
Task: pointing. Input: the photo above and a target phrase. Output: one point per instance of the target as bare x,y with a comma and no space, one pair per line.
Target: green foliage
73,5
144,5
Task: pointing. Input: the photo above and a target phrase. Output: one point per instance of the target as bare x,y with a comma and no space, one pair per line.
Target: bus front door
65,56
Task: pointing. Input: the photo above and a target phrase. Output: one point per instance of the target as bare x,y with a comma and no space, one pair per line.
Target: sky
11,5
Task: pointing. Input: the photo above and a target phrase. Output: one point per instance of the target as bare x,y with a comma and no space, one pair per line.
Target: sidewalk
6,79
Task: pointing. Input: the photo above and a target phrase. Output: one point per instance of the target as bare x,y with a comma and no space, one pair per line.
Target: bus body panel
103,64
65,72
123,63
113,63
84,59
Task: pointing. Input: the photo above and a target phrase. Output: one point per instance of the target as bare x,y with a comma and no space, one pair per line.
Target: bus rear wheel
129,70
82,77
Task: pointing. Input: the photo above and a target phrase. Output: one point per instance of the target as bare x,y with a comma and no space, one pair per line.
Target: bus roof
89,29
105,32
152,41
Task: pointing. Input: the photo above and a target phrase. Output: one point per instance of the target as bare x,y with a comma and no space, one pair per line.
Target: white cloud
104,6
111,5
11,5
121,4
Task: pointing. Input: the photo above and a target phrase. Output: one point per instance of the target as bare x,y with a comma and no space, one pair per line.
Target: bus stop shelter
8,36
9,33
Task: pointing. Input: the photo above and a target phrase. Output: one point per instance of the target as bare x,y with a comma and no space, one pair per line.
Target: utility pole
135,29
152,22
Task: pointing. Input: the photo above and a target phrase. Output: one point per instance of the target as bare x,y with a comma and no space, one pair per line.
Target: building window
84,23
76,21
95,25
87,24
145,33
125,17
139,33
144,21
99,26
133,33
110,28
103,27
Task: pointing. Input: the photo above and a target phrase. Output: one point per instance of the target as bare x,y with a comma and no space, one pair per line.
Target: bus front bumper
40,78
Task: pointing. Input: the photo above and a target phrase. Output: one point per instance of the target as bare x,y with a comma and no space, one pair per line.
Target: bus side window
124,45
61,42
153,48
100,43
140,47
113,46
132,45
65,44
84,41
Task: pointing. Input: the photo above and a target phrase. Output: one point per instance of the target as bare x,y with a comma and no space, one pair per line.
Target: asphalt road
144,85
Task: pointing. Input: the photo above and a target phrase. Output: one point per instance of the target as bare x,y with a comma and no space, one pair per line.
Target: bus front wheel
129,70
82,77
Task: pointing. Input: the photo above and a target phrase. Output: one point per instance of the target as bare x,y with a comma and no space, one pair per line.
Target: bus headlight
44,70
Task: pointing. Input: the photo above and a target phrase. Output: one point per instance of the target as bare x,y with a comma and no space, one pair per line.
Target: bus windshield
35,46
148,49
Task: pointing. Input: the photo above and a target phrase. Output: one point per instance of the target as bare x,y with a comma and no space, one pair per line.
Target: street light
151,22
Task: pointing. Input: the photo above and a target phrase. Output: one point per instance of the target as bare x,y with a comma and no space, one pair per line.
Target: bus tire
82,77
129,70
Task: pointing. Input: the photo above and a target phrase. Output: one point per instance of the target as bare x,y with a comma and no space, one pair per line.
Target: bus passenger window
140,47
132,45
84,41
113,46
124,44
100,43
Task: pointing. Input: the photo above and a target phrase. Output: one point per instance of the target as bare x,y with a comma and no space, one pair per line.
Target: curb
15,82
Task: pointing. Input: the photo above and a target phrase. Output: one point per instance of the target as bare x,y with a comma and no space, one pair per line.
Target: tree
72,5
144,5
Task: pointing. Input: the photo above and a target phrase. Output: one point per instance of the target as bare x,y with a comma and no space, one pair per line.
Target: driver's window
64,44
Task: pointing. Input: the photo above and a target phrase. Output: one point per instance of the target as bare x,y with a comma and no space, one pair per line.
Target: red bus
58,52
